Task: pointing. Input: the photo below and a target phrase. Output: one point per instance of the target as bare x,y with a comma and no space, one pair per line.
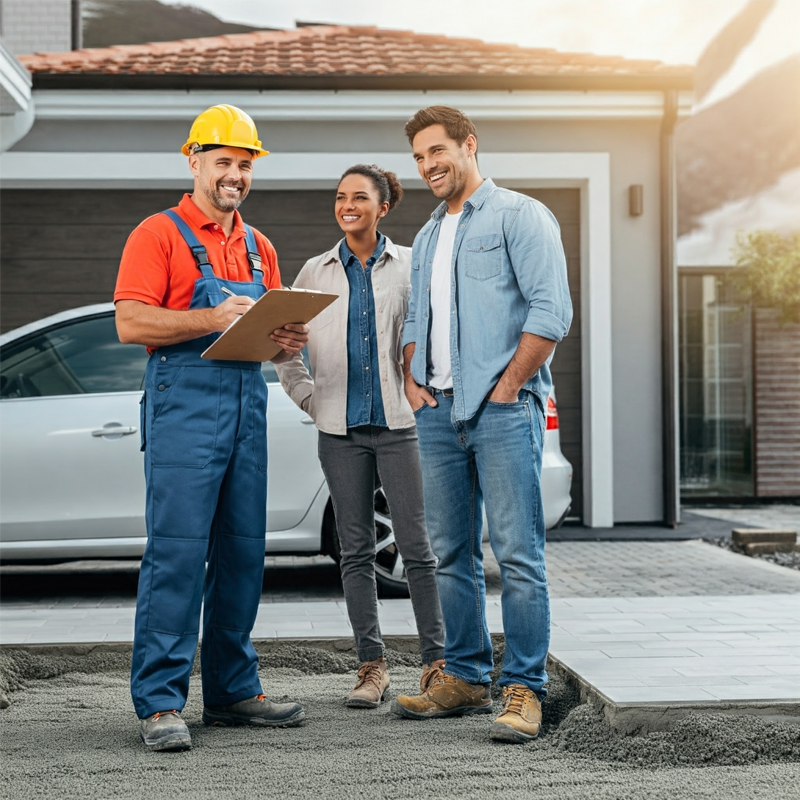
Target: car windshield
78,357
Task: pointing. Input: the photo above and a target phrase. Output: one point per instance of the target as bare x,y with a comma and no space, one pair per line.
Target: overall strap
198,251
253,256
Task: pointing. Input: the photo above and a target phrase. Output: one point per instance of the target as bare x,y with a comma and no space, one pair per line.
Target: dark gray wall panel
60,249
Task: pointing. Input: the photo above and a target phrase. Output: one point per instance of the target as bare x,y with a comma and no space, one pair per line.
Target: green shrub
768,272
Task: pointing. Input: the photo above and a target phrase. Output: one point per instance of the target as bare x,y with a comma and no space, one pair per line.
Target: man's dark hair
456,123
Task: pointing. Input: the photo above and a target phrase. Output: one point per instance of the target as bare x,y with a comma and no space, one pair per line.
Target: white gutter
75,104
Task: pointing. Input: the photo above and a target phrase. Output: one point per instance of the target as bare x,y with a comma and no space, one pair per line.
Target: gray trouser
350,464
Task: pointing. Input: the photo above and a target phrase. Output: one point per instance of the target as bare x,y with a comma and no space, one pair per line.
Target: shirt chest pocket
483,256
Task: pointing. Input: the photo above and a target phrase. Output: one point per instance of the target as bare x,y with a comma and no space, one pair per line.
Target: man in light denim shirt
489,301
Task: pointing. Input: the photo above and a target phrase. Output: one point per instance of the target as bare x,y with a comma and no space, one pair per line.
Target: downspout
669,314
76,21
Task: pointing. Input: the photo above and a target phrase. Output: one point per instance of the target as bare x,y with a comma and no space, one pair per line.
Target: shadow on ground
88,583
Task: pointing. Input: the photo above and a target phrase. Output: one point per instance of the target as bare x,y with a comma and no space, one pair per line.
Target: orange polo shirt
158,268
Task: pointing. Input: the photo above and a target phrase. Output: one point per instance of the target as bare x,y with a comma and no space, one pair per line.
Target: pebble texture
70,732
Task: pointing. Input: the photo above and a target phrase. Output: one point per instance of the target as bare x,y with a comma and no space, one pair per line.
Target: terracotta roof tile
340,50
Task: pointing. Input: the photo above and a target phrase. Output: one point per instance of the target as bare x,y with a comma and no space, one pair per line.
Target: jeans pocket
520,402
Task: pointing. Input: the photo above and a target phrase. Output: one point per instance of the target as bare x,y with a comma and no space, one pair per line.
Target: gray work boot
165,730
256,711
371,686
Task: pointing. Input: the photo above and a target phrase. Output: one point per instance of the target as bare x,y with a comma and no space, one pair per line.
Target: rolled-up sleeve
540,266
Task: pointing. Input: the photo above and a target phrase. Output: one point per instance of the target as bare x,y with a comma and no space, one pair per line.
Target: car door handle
307,420
115,429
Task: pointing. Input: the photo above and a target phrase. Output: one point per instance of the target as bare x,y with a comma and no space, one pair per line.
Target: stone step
759,548
743,536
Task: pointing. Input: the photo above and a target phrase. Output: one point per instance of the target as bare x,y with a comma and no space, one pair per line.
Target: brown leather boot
371,686
521,717
445,697
430,673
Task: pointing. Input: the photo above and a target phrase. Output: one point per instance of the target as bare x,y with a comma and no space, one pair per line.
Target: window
80,357
716,409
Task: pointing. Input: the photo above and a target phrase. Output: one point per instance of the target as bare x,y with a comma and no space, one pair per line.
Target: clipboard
247,338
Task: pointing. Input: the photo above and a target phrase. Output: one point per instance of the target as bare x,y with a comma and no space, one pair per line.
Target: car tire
390,574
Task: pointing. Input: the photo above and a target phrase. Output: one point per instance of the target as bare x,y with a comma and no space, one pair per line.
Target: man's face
223,175
443,163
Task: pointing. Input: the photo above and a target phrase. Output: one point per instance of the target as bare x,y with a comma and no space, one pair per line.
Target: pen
227,291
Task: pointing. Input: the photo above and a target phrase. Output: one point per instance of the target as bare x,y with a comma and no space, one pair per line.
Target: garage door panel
117,206
58,240
89,276
61,249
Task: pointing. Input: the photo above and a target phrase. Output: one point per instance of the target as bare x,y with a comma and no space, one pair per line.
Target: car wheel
390,574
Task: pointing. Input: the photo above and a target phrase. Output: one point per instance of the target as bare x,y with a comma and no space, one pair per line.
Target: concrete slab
644,686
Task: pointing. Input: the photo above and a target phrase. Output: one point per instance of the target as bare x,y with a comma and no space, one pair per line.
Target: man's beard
222,202
452,186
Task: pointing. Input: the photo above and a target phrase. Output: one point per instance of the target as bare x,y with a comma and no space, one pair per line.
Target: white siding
35,26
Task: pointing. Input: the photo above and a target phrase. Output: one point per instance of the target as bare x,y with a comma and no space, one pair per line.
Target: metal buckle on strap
255,262
200,255
443,392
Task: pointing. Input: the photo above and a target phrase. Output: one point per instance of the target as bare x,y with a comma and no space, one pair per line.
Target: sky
675,31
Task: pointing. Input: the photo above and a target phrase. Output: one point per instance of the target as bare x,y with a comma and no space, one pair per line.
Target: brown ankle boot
430,674
521,717
445,697
371,686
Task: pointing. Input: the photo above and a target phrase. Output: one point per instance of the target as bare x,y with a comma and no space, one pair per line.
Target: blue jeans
495,457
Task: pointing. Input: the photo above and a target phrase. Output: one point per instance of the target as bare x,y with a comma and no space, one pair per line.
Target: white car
72,474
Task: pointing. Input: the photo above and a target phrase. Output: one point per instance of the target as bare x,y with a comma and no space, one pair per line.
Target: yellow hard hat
224,126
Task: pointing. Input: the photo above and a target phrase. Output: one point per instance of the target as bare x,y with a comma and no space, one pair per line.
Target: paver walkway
642,622
575,569
683,649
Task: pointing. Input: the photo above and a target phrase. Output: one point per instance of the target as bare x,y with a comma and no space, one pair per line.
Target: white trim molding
351,105
15,82
590,172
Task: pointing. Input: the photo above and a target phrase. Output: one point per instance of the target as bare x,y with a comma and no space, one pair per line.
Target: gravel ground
791,560
70,732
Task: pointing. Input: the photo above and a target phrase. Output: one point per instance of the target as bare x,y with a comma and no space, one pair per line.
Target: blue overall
204,435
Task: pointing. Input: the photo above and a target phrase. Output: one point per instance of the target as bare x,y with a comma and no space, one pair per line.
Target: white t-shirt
439,367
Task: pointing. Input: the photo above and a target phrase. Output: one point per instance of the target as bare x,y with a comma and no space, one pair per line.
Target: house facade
589,136
739,367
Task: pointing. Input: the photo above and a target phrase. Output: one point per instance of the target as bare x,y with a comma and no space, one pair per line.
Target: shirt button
365,313
366,368
163,358
161,387
365,338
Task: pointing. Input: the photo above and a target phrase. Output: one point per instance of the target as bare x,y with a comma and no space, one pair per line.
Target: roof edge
329,82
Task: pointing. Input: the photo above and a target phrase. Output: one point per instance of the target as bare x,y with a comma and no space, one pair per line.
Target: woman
366,427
